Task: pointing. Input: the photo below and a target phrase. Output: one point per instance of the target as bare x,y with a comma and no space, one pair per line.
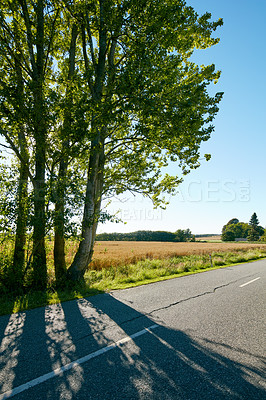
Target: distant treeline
207,235
149,236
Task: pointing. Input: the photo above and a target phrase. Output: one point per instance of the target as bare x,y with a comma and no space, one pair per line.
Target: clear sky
232,184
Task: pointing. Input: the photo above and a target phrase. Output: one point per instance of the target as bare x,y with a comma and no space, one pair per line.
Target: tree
230,222
13,106
241,230
263,237
59,219
183,235
27,32
235,230
255,230
233,221
148,103
228,236
253,235
254,222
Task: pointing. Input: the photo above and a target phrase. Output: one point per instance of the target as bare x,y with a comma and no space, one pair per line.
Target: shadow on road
162,364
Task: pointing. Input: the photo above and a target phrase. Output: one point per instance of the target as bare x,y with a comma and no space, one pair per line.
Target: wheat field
107,254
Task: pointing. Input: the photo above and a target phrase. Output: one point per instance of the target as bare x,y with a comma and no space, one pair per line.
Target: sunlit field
117,253
112,254
215,238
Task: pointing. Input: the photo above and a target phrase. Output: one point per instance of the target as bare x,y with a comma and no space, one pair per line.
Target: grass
153,270
125,275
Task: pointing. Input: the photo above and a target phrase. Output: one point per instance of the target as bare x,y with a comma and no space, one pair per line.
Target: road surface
197,337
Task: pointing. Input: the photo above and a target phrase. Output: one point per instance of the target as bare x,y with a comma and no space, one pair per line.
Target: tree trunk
91,213
39,221
40,128
21,227
17,269
59,222
94,187
59,241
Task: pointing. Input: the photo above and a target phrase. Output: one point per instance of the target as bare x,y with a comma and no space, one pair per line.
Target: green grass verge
141,273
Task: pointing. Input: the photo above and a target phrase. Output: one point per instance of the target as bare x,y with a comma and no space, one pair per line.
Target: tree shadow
163,363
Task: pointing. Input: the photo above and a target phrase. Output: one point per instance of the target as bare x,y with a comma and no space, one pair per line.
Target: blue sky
232,183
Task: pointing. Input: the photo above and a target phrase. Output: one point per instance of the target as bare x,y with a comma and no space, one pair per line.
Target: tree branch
9,51
6,147
17,152
90,42
26,17
50,40
86,60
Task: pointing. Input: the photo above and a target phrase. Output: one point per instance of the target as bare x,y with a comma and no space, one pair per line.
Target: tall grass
6,255
157,269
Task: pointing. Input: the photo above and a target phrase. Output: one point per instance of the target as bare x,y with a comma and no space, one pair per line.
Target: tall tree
13,111
255,230
147,102
26,35
67,128
22,197
254,222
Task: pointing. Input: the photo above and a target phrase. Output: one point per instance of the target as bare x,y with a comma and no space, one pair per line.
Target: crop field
112,254
208,238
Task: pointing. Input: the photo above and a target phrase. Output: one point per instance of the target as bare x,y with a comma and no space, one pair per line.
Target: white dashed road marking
247,283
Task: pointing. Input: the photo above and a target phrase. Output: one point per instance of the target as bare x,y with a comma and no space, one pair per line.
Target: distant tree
263,236
231,222
261,230
235,230
253,235
183,235
254,222
255,230
228,236
240,229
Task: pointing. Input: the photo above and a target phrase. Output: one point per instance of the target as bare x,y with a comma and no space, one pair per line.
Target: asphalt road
197,337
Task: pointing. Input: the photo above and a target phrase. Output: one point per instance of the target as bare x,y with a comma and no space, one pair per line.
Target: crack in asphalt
189,298
149,314
192,297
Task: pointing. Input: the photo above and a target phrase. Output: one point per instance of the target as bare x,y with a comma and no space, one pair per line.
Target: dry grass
113,254
204,238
